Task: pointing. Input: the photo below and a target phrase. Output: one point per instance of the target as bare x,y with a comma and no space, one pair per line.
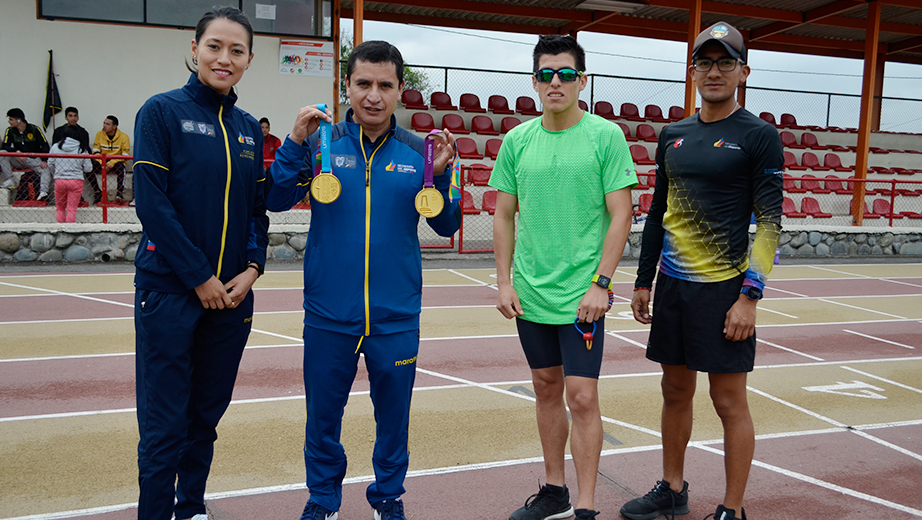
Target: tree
414,79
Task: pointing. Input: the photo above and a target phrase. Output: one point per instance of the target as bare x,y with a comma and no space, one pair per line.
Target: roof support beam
912,43
808,17
694,27
865,117
358,21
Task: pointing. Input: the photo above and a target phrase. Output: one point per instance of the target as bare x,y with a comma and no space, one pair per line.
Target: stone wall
56,243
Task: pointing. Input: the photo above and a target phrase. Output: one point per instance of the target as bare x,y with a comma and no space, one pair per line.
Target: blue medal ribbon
326,135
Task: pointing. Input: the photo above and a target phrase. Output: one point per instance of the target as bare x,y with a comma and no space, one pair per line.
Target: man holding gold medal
570,174
369,182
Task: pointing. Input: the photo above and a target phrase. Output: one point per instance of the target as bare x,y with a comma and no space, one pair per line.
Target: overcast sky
628,56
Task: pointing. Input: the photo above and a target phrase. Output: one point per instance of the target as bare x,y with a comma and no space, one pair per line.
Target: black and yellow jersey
710,179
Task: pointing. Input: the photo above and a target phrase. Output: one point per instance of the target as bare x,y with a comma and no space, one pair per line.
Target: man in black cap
713,171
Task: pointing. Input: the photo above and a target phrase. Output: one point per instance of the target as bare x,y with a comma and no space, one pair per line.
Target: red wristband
641,288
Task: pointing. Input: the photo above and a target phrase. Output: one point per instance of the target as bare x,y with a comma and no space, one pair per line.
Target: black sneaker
545,505
390,510
661,500
726,514
314,511
586,514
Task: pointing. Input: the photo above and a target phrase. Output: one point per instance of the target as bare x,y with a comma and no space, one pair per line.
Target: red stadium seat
809,140
491,149
789,121
654,113
868,214
627,131
646,132
812,184
810,160
467,204
676,113
441,101
644,202
422,122
789,185
583,106
836,185
768,118
471,103
499,105
413,100
640,155
788,209
508,123
641,183
483,125
489,201
789,140
479,175
604,109
882,207
832,161
467,148
651,179
630,112
526,106
811,207
454,124
790,162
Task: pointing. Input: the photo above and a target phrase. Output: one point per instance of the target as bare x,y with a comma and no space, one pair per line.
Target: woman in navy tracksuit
198,180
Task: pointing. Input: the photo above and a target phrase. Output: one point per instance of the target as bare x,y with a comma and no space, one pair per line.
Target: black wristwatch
753,293
259,269
602,281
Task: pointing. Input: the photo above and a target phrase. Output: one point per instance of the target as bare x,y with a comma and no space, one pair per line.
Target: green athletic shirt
560,179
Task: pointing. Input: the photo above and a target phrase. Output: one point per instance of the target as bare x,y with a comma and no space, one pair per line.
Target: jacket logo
406,168
193,127
342,161
390,167
678,143
721,143
245,139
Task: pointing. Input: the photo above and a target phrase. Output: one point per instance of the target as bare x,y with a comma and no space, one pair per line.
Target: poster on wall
306,58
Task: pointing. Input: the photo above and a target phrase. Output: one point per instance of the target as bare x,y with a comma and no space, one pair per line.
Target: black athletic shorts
688,323
548,346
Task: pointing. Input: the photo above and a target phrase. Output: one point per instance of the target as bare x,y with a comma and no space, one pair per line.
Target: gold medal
325,188
429,202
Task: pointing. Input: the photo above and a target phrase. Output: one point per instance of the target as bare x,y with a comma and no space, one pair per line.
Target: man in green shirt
570,175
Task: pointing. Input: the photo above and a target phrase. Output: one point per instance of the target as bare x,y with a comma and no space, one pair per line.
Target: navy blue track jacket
199,190
362,265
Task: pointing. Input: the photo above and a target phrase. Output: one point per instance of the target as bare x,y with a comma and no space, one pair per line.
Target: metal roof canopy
836,28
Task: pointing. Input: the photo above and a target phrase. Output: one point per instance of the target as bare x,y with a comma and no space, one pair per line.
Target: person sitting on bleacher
24,137
111,141
271,143
72,116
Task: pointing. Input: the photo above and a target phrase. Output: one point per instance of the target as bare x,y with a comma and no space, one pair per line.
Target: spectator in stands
72,116
203,246
374,310
713,170
271,143
24,137
69,172
570,174
110,141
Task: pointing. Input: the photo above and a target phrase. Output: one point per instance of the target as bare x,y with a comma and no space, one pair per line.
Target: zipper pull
368,175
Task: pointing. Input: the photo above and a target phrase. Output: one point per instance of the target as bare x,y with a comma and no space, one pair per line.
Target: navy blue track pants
186,364
330,365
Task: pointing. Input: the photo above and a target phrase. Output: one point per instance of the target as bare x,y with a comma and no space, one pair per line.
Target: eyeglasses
566,75
723,64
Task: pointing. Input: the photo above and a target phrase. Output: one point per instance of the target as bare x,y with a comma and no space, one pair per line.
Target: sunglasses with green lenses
566,75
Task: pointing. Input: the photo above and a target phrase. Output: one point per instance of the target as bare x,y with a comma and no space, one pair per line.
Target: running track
836,397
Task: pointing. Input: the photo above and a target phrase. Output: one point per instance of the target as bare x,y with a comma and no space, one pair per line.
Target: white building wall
107,69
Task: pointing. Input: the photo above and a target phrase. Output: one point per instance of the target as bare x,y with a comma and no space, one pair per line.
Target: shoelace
392,509
541,491
657,491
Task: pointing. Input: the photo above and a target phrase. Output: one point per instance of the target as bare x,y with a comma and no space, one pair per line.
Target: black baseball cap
727,35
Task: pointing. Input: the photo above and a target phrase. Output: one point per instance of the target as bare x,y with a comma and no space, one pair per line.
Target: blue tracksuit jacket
362,265
198,177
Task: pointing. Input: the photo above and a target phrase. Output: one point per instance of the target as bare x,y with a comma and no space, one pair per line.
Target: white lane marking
854,389
61,293
885,380
879,339
626,339
770,288
846,273
766,309
792,351
462,275
862,308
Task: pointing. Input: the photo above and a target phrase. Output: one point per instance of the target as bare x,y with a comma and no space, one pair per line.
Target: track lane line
879,339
